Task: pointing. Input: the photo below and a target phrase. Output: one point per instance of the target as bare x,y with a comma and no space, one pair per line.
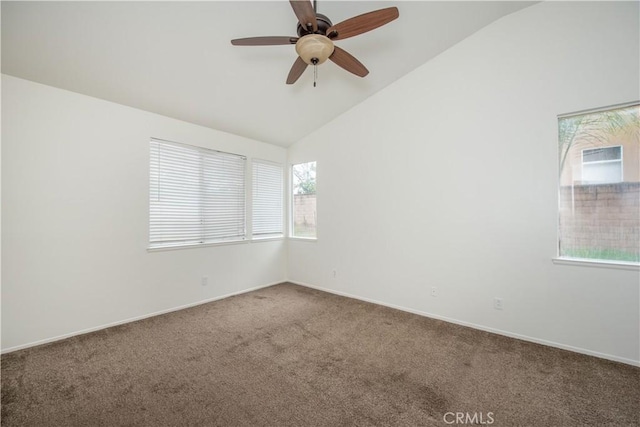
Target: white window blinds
268,181
197,196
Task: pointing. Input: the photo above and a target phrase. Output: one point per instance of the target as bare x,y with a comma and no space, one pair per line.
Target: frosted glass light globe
314,46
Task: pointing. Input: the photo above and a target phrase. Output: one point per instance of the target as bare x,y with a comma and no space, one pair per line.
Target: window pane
602,173
196,195
267,199
304,200
599,194
600,154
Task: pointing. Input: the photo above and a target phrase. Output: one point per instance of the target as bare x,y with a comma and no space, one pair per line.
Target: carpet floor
291,356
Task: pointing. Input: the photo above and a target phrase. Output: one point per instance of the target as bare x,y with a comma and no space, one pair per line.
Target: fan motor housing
324,23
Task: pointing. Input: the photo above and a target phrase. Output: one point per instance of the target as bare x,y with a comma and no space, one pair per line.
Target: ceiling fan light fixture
316,35
314,49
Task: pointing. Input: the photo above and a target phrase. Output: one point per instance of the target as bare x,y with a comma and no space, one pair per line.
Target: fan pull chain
314,62
315,74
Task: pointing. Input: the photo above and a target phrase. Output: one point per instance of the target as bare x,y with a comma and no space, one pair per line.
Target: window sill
304,239
198,245
617,265
266,239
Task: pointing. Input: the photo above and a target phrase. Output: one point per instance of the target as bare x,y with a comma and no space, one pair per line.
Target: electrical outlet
497,303
434,291
204,281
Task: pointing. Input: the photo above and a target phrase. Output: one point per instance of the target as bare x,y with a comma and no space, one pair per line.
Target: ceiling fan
316,34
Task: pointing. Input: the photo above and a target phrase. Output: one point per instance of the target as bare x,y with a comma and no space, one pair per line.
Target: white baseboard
344,294
134,319
476,326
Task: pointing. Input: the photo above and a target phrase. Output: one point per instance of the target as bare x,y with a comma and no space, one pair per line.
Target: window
196,195
599,194
303,184
602,165
267,199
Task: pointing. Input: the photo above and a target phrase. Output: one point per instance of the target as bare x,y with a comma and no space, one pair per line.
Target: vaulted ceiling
175,58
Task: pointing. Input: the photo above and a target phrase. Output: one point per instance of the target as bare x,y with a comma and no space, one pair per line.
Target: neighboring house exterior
613,160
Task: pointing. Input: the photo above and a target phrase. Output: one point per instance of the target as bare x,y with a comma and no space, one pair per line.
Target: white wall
448,178
75,179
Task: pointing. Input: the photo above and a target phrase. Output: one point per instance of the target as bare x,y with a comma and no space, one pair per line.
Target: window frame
290,234
589,262
189,245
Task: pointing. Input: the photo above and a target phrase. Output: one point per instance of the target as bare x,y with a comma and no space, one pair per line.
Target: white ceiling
175,58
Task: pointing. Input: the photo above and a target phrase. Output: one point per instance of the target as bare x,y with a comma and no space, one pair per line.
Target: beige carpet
291,356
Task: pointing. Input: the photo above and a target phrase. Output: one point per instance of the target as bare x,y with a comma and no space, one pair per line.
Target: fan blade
305,13
362,23
296,71
264,41
345,60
